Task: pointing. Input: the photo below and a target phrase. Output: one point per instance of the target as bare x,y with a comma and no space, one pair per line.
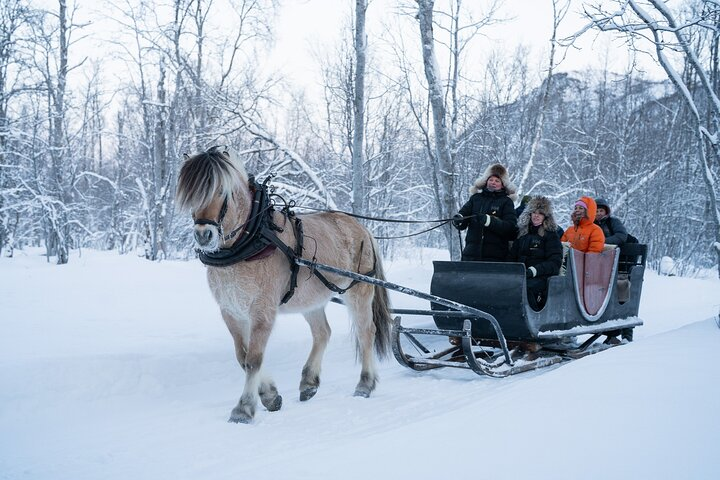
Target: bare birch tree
13,17
443,167
444,99
358,144
669,35
559,12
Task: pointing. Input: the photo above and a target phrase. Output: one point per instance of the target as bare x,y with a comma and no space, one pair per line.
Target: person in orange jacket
583,234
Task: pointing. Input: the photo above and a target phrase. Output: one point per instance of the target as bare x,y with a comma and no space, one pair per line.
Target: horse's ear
186,157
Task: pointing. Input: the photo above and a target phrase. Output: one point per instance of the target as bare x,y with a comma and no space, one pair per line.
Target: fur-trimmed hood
542,205
601,202
499,171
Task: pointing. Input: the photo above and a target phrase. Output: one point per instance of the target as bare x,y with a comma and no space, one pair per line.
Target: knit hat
602,203
499,171
590,207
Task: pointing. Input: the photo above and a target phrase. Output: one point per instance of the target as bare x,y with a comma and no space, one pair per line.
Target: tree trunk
59,226
358,143
542,107
443,168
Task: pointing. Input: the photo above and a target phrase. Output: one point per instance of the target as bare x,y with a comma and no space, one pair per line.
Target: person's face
537,218
601,213
578,213
494,183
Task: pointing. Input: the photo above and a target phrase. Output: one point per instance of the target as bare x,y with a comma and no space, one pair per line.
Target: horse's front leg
250,343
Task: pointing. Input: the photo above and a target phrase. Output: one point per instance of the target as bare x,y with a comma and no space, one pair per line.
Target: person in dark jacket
615,234
614,230
538,247
489,216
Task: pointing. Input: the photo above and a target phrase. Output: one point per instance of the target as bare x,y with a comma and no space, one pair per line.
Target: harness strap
335,288
331,286
294,267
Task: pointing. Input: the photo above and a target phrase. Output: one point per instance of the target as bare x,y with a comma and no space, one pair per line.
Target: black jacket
614,230
489,243
542,252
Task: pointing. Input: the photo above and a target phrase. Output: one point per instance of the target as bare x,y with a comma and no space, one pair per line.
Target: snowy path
112,367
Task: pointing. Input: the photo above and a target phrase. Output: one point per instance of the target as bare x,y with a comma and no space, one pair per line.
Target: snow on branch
261,133
640,184
301,192
95,175
221,100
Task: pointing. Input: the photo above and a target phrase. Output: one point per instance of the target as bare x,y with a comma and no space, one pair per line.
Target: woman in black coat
538,247
489,216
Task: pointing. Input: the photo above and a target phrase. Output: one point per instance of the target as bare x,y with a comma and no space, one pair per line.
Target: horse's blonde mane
204,175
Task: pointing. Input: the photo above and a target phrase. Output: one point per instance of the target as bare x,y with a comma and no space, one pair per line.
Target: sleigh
597,298
483,321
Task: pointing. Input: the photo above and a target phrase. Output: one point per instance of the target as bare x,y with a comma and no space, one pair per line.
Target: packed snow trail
113,367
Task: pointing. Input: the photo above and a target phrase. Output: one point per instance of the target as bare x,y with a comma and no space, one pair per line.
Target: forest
98,109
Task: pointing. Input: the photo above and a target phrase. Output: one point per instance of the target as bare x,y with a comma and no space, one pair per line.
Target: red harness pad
264,253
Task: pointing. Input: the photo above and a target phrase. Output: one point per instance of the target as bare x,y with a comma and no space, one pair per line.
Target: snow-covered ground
117,368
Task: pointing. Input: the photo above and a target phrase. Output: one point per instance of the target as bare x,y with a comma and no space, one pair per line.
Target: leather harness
259,240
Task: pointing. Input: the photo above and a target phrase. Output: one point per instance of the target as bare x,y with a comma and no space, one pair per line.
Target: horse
252,287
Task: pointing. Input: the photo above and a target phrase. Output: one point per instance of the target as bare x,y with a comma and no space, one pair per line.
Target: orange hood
591,209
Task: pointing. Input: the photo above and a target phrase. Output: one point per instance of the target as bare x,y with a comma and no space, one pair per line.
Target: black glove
530,272
457,221
482,219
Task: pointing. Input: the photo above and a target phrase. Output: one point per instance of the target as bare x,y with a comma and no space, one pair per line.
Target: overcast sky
303,25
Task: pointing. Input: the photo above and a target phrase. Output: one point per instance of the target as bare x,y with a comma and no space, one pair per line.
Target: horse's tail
382,317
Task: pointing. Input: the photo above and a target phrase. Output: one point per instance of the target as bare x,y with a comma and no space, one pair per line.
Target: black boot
627,334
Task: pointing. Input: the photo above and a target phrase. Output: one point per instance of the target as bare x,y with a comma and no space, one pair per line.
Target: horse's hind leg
250,354
320,329
269,395
359,300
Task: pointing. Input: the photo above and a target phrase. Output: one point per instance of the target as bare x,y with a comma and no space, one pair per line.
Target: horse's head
212,185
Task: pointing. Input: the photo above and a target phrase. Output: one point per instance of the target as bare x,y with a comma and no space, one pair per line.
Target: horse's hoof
361,392
239,419
238,415
307,393
274,404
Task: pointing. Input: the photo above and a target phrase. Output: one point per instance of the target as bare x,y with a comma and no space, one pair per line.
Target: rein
441,222
377,219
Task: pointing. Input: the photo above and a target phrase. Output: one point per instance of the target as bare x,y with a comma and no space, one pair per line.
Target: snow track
116,368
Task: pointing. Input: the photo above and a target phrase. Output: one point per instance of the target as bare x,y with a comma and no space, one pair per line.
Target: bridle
221,217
